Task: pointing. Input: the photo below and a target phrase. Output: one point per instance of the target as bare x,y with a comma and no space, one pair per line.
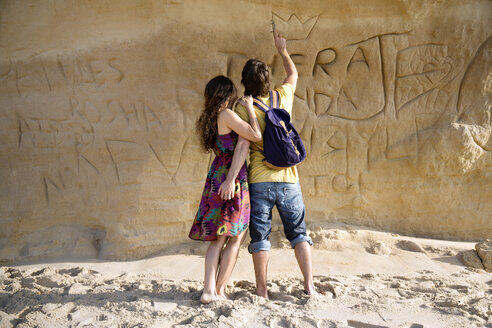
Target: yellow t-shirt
258,171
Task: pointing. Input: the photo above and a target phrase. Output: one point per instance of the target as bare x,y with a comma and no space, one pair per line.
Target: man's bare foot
262,293
207,298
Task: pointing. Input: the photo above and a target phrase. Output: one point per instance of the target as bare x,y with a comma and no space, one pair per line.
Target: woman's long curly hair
220,93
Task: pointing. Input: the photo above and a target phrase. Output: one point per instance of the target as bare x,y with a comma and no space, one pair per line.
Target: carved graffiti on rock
363,81
420,70
293,28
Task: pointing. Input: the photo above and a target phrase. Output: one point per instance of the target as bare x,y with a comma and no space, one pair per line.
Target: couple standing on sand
233,197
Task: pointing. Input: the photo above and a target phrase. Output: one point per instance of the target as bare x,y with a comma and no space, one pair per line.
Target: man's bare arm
289,66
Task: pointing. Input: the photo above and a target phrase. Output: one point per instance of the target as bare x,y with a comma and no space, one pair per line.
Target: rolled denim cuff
262,245
300,239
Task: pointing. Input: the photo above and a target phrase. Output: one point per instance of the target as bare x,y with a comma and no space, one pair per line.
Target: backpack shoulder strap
260,104
274,99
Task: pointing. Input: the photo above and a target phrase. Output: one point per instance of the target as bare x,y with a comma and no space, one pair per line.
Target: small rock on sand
470,259
484,250
408,245
379,248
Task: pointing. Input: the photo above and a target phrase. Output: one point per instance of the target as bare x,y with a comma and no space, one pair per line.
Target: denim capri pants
290,205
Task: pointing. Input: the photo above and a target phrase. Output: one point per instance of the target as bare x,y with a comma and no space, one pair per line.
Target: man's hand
226,189
280,42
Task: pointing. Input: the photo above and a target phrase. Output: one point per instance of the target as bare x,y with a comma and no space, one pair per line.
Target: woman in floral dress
223,215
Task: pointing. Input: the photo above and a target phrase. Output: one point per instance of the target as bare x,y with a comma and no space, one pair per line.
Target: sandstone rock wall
98,101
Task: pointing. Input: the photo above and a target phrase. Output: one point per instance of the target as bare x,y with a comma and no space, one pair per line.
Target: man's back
258,171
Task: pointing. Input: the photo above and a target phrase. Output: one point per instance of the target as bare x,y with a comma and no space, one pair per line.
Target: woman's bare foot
310,290
262,293
223,296
208,298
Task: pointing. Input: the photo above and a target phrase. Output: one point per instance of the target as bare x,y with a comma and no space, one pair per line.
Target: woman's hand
246,101
226,189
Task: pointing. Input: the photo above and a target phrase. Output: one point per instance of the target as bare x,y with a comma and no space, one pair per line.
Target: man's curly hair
255,78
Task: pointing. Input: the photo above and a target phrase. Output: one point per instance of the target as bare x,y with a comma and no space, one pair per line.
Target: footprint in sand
359,324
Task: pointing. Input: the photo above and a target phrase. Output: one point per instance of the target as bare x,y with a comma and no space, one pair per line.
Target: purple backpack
282,144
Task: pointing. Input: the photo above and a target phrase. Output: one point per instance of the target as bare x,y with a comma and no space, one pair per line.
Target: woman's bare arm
234,122
226,189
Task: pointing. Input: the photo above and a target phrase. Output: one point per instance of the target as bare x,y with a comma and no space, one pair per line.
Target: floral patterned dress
215,216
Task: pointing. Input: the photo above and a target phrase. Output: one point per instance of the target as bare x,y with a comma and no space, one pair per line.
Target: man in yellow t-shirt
270,187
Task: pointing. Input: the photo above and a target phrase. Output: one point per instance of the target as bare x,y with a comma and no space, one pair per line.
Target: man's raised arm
289,66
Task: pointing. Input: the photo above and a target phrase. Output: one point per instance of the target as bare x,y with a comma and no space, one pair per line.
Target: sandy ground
366,279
